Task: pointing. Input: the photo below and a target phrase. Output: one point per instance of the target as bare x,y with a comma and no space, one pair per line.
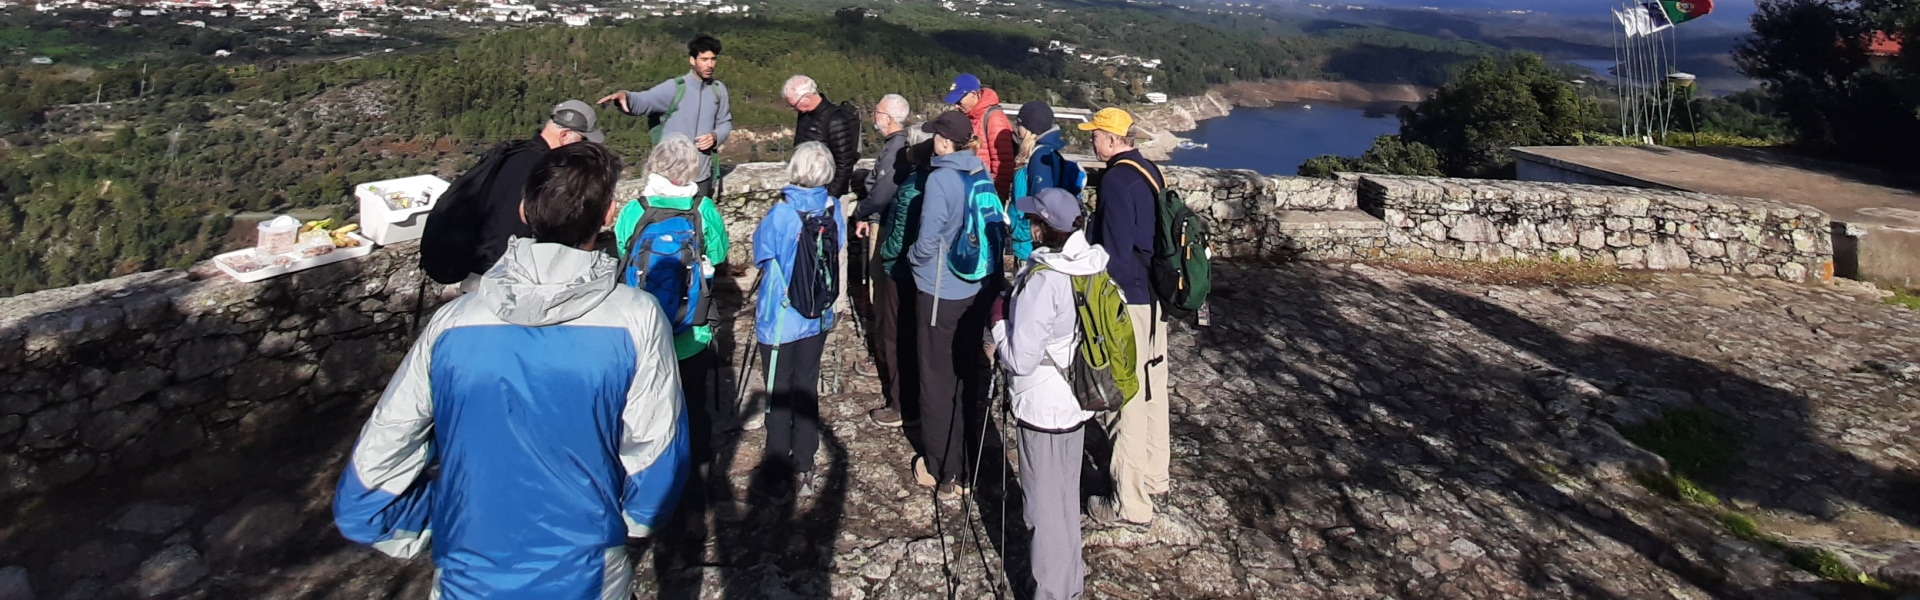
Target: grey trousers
1050,476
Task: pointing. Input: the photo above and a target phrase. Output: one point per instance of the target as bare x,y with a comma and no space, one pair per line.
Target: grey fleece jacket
941,212
704,108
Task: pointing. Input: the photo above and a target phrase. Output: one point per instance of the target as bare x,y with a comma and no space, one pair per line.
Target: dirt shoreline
1159,123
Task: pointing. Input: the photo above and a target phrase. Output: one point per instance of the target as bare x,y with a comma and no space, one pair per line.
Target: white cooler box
395,210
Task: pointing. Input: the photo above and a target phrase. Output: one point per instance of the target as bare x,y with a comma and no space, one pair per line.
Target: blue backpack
975,252
1067,175
664,258
814,282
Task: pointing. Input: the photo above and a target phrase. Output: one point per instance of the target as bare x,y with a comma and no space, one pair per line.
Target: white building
122,13
222,53
200,24
1157,97
579,20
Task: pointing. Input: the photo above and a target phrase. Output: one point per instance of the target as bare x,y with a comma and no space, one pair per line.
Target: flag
1642,20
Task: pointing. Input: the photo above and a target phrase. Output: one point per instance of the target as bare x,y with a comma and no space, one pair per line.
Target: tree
1494,106
1389,156
1811,57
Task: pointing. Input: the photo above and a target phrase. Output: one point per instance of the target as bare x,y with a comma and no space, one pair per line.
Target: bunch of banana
322,229
342,240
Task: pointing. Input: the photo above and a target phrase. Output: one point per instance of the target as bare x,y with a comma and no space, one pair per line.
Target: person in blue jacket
951,325
549,401
790,342
1041,167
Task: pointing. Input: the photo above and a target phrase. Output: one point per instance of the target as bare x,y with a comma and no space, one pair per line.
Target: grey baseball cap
1055,206
581,118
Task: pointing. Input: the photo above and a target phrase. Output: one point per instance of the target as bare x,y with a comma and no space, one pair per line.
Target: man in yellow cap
1123,223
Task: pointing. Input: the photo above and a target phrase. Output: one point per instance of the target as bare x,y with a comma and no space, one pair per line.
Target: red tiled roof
1883,44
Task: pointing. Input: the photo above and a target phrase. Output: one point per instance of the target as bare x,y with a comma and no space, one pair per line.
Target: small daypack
813,281
450,244
1181,271
1102,374
974,252
664,257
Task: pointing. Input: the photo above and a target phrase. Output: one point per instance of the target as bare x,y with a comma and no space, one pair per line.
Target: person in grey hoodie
951,326
1035,337
704,114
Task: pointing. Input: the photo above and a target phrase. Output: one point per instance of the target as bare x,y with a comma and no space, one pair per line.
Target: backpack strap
679,92
1156,183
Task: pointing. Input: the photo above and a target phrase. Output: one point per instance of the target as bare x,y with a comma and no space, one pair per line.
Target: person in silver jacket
1034,338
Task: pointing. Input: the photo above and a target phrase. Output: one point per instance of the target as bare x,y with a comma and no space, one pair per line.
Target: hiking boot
1105,512
920,474
886,416
950,491
805,485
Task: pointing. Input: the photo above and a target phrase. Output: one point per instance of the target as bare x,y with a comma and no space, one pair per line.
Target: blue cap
965,84
1055,206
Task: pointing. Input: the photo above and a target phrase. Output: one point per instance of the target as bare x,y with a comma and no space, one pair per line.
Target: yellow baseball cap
1110,120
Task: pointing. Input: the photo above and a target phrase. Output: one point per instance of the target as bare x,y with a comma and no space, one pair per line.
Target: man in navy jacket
1123,223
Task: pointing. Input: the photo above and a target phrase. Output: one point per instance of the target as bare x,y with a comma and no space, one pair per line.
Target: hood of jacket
1077,257
546,284
806,199
989,100
661,187
965,161
1052,139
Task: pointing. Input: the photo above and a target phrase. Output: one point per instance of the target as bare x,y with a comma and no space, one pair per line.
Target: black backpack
814,282
450,242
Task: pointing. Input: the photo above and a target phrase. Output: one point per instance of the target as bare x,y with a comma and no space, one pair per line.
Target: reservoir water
1275,140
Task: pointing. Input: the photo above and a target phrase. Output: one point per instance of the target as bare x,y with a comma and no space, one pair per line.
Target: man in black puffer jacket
820,120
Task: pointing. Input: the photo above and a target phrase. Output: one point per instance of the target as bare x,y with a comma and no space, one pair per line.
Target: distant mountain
1735,11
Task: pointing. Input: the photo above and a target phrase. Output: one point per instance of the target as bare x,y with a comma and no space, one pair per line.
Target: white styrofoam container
270,271
387,225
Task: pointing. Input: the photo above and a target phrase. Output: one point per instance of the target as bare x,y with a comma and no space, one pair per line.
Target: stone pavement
1339,432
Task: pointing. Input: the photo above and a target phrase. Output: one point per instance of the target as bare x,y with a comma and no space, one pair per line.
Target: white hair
797,87
675,158
894,107
811,166
916,135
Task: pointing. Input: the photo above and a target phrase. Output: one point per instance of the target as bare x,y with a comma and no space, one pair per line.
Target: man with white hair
820,120
883,183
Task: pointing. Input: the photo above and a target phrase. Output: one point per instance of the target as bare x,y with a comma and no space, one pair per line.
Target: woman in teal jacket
671,188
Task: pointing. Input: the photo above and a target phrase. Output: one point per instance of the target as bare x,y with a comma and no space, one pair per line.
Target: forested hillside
153,177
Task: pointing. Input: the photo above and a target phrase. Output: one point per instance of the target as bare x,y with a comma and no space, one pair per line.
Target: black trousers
697,382
793,403
894,335
951,340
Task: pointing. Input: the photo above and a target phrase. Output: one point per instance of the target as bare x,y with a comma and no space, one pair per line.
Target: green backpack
1102,374
1181,271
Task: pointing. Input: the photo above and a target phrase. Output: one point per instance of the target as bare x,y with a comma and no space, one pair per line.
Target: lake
1275,140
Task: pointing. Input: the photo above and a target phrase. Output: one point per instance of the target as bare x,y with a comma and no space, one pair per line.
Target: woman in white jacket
1034,338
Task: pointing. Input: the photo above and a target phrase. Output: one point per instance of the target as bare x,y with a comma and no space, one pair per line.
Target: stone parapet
1629,227
110,377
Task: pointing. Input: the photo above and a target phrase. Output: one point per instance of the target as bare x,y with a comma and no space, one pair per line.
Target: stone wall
111,377
1629,227
1249,213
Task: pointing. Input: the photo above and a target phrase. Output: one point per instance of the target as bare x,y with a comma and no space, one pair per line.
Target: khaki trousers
1141,436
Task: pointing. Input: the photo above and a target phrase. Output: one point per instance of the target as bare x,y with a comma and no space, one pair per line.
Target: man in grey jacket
703,113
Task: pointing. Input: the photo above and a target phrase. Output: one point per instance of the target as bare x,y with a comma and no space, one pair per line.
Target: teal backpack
975,252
